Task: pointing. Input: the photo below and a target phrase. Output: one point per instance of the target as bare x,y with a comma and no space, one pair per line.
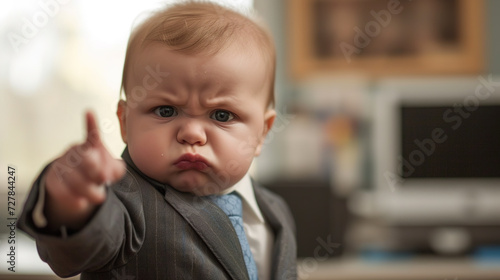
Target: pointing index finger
93,137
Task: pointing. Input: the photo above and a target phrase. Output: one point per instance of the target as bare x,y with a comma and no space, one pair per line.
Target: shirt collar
245,190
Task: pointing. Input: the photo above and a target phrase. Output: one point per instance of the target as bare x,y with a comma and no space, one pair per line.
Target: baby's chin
195,182
198,190
196,187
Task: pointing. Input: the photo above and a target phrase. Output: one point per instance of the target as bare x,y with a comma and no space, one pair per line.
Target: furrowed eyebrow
164,97
224,101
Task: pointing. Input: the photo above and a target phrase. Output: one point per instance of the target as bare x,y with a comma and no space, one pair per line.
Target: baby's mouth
191,161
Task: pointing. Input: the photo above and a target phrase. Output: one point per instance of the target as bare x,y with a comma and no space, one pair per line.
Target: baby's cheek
236,157
146,154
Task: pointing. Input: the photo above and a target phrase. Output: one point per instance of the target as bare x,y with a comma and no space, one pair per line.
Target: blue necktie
231,205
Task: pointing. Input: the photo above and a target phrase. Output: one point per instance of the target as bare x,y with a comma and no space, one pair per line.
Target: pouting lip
195,159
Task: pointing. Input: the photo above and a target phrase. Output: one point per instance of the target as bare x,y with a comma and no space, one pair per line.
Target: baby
199,97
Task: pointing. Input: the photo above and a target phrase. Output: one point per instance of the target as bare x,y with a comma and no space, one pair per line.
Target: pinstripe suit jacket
147,230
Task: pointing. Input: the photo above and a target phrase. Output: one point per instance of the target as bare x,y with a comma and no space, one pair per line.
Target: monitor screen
450,142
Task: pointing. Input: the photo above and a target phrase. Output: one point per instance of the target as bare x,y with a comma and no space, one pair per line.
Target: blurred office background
325,153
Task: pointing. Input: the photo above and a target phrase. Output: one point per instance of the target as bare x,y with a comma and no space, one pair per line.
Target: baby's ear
269,117
121,113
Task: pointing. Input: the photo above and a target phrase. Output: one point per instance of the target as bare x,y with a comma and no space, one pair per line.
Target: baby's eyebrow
220,101
165,97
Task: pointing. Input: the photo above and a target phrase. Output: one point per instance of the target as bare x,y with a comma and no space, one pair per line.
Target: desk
350,268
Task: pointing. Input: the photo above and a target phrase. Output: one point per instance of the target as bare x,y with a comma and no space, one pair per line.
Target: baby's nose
192,132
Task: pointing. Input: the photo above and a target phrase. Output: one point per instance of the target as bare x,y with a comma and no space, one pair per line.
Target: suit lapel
214,228
284,251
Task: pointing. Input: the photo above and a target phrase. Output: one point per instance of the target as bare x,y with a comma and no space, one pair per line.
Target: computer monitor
436,151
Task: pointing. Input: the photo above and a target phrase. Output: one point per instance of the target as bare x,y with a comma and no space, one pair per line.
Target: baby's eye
165,111
222,116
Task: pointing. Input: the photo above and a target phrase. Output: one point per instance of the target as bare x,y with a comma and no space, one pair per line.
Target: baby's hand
75,181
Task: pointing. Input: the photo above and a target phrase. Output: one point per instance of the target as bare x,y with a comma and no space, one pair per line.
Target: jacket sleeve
114,233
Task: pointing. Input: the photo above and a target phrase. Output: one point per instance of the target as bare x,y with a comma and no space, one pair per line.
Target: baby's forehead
231,73
244,46
221,66
152,54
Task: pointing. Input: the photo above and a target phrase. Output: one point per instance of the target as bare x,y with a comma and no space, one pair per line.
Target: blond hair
200,27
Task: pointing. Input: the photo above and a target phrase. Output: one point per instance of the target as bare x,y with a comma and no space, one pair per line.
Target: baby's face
195,122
